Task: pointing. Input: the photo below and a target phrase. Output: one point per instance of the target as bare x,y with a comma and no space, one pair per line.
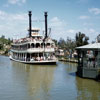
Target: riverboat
34,49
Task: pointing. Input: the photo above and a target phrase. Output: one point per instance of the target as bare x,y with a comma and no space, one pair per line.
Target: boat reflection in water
39,78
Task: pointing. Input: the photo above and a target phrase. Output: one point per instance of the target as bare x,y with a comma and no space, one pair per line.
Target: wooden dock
68,60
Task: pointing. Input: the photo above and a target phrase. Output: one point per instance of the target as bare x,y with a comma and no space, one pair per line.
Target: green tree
70,44
3,37
9,41
81,39
62,43
4,42
1,46
55,41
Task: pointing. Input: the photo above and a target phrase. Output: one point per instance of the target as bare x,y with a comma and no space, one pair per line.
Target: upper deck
34,43
35,36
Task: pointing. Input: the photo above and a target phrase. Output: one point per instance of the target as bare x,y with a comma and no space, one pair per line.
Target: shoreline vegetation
5,45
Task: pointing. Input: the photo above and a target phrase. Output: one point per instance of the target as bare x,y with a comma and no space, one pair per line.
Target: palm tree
81,39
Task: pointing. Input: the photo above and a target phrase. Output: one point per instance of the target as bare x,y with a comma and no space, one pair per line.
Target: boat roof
90,46
36,35
34,29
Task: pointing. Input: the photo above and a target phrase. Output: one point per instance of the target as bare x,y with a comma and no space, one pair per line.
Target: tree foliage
1,46
70,44
81,39
4,41
55,41
62,43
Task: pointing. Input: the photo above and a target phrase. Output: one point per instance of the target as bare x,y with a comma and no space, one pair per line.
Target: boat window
28,45
42,44
37,45
32,45
48,44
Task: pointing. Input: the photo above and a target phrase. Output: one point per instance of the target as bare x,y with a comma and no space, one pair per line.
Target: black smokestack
45,14
30,14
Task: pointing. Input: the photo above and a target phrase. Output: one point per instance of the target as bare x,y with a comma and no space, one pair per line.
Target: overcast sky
65,17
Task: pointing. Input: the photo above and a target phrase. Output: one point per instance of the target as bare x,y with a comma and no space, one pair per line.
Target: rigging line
37,20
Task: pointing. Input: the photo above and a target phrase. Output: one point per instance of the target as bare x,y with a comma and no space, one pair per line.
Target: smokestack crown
30,12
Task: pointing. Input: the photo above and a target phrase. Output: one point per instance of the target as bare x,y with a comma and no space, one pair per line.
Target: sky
65,17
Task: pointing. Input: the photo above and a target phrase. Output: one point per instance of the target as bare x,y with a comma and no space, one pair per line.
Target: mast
30,23
46,27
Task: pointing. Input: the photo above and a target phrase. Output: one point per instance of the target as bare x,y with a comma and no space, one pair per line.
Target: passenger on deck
32,59
48,57
41,58
38,58
91,59
44,58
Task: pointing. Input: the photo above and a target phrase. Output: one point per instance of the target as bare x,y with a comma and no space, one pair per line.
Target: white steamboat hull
36,62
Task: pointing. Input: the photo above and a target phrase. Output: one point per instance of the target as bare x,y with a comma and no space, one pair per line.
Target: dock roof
90,46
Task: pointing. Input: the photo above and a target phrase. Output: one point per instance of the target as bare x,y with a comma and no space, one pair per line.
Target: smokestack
46,31
30,14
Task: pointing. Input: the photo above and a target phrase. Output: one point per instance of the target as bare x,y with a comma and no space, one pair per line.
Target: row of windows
37,45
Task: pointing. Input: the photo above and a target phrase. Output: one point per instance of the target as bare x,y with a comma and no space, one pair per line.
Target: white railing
40,50
33,50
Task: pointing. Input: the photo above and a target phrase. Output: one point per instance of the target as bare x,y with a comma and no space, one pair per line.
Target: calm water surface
44,82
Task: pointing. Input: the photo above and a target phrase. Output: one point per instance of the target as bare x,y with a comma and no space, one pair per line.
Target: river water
20,81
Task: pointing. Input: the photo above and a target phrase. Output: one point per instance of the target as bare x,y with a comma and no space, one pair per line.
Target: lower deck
45,56
50,62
